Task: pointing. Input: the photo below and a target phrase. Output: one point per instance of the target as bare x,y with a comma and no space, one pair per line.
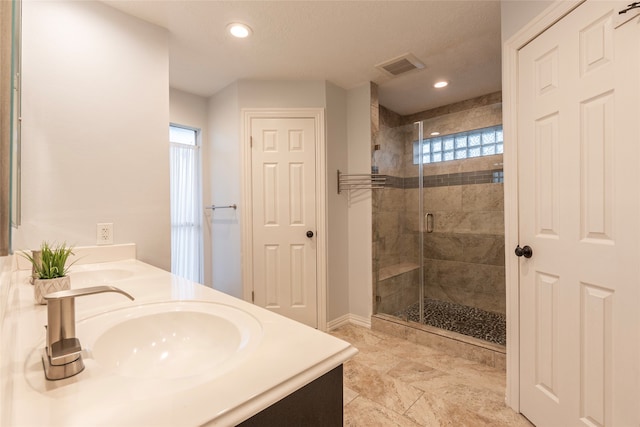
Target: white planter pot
42,287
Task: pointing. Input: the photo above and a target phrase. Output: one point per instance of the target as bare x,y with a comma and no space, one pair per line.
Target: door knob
309,234
525,251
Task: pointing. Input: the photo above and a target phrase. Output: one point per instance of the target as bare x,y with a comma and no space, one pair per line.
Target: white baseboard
336,323
349,319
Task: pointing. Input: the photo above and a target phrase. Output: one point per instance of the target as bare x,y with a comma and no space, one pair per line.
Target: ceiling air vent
400,65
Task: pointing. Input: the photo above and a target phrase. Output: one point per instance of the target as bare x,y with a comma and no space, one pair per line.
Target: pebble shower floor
471,321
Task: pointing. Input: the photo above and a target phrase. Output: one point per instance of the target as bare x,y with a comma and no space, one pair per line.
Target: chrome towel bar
360,181
214,207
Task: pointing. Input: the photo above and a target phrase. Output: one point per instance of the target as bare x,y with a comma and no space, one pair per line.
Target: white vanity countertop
289,356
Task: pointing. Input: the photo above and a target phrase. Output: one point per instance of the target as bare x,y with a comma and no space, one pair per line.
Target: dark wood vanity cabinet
318,404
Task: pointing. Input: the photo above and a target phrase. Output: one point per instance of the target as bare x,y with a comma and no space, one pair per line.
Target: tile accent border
491,176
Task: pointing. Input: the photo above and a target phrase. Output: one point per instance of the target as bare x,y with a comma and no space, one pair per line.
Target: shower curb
452,343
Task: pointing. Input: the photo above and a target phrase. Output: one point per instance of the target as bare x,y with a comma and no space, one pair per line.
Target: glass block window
463,145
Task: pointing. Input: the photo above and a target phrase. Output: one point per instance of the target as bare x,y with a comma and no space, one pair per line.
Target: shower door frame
421,219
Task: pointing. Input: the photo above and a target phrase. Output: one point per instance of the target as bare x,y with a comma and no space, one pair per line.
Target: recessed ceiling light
238,30
435,133
440,84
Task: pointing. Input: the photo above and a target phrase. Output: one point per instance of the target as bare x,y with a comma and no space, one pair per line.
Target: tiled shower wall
464,255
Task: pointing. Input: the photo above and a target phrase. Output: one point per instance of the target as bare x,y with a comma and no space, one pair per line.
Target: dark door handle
525,251
309,234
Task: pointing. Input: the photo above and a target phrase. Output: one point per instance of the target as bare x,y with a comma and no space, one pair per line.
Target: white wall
281,94
95,110
224,162
360,210
337,211
192,110
515,14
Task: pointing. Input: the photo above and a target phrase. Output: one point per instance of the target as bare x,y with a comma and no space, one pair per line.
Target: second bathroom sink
99,277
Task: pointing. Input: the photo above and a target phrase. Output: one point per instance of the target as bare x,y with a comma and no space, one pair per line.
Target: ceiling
338,41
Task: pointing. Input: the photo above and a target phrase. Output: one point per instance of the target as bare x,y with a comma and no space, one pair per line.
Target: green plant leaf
53,260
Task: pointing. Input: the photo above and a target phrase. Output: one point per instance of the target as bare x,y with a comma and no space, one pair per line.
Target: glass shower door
398,223
463,245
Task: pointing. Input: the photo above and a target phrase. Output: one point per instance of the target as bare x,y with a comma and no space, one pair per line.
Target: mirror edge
9,99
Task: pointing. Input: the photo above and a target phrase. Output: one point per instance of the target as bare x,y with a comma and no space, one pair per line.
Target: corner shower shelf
396,270
360,181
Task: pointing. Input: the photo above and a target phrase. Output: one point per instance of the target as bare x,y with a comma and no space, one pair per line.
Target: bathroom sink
99,277
170,340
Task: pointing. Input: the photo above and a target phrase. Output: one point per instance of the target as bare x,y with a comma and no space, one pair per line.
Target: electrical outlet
104,233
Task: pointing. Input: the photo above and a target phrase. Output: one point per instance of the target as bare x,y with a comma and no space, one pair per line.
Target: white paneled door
283,161
579,162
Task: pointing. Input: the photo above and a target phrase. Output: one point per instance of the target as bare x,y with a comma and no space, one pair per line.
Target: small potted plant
50,270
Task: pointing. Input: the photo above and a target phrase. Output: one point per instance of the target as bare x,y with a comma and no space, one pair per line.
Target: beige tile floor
393,382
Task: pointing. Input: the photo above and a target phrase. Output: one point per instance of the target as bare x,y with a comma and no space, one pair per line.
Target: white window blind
186,204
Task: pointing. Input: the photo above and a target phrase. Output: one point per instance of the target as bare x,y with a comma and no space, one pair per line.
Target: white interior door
578,162
284,216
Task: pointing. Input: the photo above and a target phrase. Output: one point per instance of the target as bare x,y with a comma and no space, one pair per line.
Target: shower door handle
428,218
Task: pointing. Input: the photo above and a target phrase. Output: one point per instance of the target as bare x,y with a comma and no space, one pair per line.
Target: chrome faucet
61,357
